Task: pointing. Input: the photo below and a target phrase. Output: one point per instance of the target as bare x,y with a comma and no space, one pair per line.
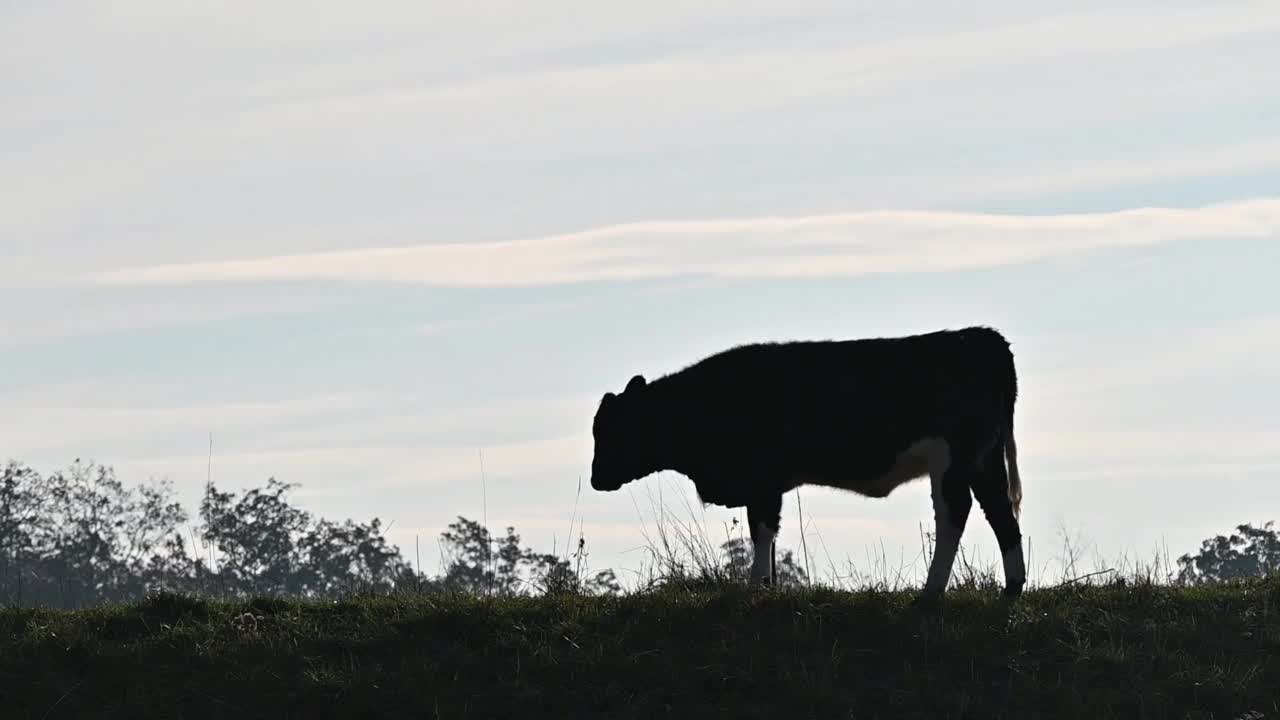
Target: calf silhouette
748,424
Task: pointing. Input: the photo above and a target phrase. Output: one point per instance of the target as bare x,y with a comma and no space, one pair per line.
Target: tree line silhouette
79,536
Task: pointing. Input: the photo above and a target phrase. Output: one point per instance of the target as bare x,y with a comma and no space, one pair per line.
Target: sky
397,253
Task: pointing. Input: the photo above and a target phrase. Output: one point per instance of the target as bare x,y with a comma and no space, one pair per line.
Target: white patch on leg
1015,568
762,563
947,543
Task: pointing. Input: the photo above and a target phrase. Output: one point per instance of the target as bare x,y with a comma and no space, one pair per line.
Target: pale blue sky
360,246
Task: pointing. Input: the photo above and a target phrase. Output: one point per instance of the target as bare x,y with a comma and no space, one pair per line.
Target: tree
155,550
343,556
556,576
265,545
482,565
1248,552
80,536
255,538
21,506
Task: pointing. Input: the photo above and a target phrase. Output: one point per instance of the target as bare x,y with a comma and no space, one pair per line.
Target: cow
751,423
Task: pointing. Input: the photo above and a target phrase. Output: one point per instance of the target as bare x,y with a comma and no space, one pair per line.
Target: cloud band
831,245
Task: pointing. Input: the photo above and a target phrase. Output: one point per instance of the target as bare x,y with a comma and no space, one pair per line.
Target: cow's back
845,408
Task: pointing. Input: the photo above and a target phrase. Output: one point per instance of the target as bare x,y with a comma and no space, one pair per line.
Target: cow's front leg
765,518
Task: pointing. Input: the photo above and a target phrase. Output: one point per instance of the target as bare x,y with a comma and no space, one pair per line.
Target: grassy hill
1119,651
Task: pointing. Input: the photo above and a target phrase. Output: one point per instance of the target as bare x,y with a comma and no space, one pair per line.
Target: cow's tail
1011,447
1002,380
1010,392
1011,457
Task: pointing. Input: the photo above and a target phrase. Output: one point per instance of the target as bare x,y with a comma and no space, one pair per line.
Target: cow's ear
636,383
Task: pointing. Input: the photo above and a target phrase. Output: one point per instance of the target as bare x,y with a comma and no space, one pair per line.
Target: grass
686,649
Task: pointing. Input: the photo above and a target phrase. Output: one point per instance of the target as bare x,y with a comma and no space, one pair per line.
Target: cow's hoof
927,600
1012,592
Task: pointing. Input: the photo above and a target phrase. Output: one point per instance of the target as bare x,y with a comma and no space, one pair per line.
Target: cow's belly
922,458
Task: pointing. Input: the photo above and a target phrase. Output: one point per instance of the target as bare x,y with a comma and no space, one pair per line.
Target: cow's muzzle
604,484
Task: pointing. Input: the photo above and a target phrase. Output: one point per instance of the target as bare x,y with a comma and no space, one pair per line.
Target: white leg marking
1015,568
762,563
947,543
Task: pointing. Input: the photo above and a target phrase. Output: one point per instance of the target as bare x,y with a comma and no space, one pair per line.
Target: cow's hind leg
991,488
951,504
764,516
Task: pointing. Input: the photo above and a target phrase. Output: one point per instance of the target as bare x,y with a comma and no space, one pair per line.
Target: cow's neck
672,425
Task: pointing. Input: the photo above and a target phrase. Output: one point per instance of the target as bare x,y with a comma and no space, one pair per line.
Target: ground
1121,651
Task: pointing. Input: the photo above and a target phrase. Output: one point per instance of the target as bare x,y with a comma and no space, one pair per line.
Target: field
1122,650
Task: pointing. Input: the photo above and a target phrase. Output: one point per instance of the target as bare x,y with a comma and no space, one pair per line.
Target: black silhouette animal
748,424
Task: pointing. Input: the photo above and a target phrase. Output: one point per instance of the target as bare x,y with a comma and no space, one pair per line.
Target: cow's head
621,439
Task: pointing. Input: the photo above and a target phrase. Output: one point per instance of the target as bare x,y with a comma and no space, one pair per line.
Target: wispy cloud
831,245
779,72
